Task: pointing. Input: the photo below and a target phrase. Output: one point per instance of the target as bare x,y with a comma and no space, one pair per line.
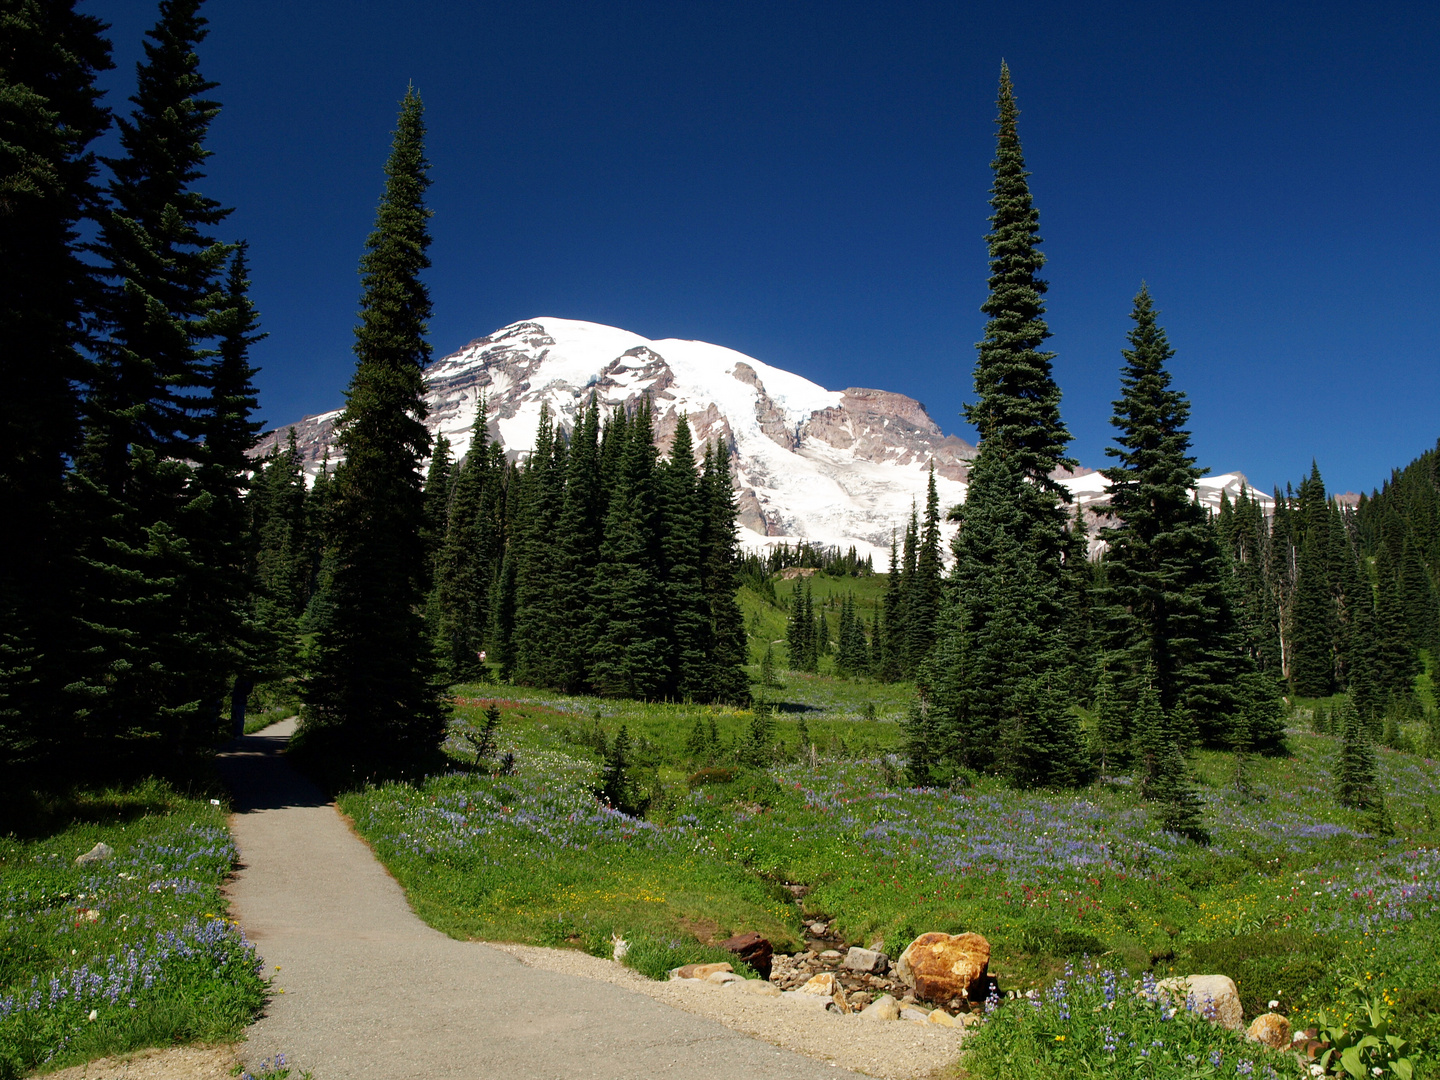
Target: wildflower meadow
1295,898
131,951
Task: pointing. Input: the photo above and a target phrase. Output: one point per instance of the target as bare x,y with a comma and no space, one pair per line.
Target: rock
830,956
720,978
824,983
818,928
840,1004
757,987
699,971
99,853
1272,1029
943,966
859,999
866,960
753,949
1213,996
816,1002
882,1008
914,1014
942,1018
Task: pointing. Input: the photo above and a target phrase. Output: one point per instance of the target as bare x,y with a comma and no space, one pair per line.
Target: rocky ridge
831,467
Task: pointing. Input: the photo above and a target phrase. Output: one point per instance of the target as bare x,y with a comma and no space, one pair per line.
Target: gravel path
365,990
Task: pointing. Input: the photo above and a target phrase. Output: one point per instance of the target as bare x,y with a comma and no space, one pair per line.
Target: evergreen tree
579,532
889,633
1312,671
687,608
996,702
617,787
800,628
768,681
1167,598
371,705
719,561
631,655
822,638
918,743
1356,774
1394,661
159,662
1018,407
923,599
542,493
438,480
49,57
757,749
467,559
1109,749
226,579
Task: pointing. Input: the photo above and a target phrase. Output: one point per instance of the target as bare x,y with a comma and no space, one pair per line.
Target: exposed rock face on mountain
832,467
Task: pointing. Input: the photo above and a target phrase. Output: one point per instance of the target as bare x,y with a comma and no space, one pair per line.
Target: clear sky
807,182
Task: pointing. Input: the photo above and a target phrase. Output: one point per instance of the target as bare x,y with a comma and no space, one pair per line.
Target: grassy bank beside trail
1296,899
130,952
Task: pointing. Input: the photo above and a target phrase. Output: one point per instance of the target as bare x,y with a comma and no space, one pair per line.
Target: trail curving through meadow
366,991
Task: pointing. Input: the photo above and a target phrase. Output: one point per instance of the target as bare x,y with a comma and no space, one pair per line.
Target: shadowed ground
369,991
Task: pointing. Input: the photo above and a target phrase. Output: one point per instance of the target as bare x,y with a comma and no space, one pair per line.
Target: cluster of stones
949,974
943,979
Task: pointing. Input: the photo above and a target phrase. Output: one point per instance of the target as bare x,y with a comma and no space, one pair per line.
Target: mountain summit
835,467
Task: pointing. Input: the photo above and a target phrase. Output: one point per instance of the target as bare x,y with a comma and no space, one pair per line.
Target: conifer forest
165,587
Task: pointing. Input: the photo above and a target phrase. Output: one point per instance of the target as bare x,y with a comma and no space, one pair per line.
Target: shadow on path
254,768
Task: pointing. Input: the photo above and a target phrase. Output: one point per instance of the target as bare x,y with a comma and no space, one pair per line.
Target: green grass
766,622
69,933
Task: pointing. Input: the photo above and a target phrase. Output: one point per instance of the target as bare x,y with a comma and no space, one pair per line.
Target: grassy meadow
1298,900
130,952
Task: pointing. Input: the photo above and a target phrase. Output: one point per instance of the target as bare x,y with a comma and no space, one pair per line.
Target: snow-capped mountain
838,467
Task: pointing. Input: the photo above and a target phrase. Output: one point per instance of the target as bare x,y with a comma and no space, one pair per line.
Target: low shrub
713,774
1283,966
655,957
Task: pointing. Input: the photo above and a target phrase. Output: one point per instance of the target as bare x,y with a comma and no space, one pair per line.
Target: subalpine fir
50,55
728,646
1355,773
469,552
151,622
994,674
630,656
226,582
371,704
686,605
1167,621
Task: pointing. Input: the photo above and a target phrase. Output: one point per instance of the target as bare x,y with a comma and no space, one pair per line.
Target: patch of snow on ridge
832,467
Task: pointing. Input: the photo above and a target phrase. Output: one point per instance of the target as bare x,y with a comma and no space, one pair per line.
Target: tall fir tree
50,55
631,654
226,578
687,609
371,704
923,594
1168,622
466,562
579,533
542,493
719,563
1355,774
995,695
149,624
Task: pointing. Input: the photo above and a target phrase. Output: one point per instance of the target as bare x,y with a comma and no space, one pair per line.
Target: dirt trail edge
369,991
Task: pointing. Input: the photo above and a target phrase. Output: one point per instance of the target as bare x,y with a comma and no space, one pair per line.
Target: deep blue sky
807,182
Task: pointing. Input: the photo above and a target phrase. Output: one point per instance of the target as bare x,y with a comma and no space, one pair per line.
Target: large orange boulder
941,967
